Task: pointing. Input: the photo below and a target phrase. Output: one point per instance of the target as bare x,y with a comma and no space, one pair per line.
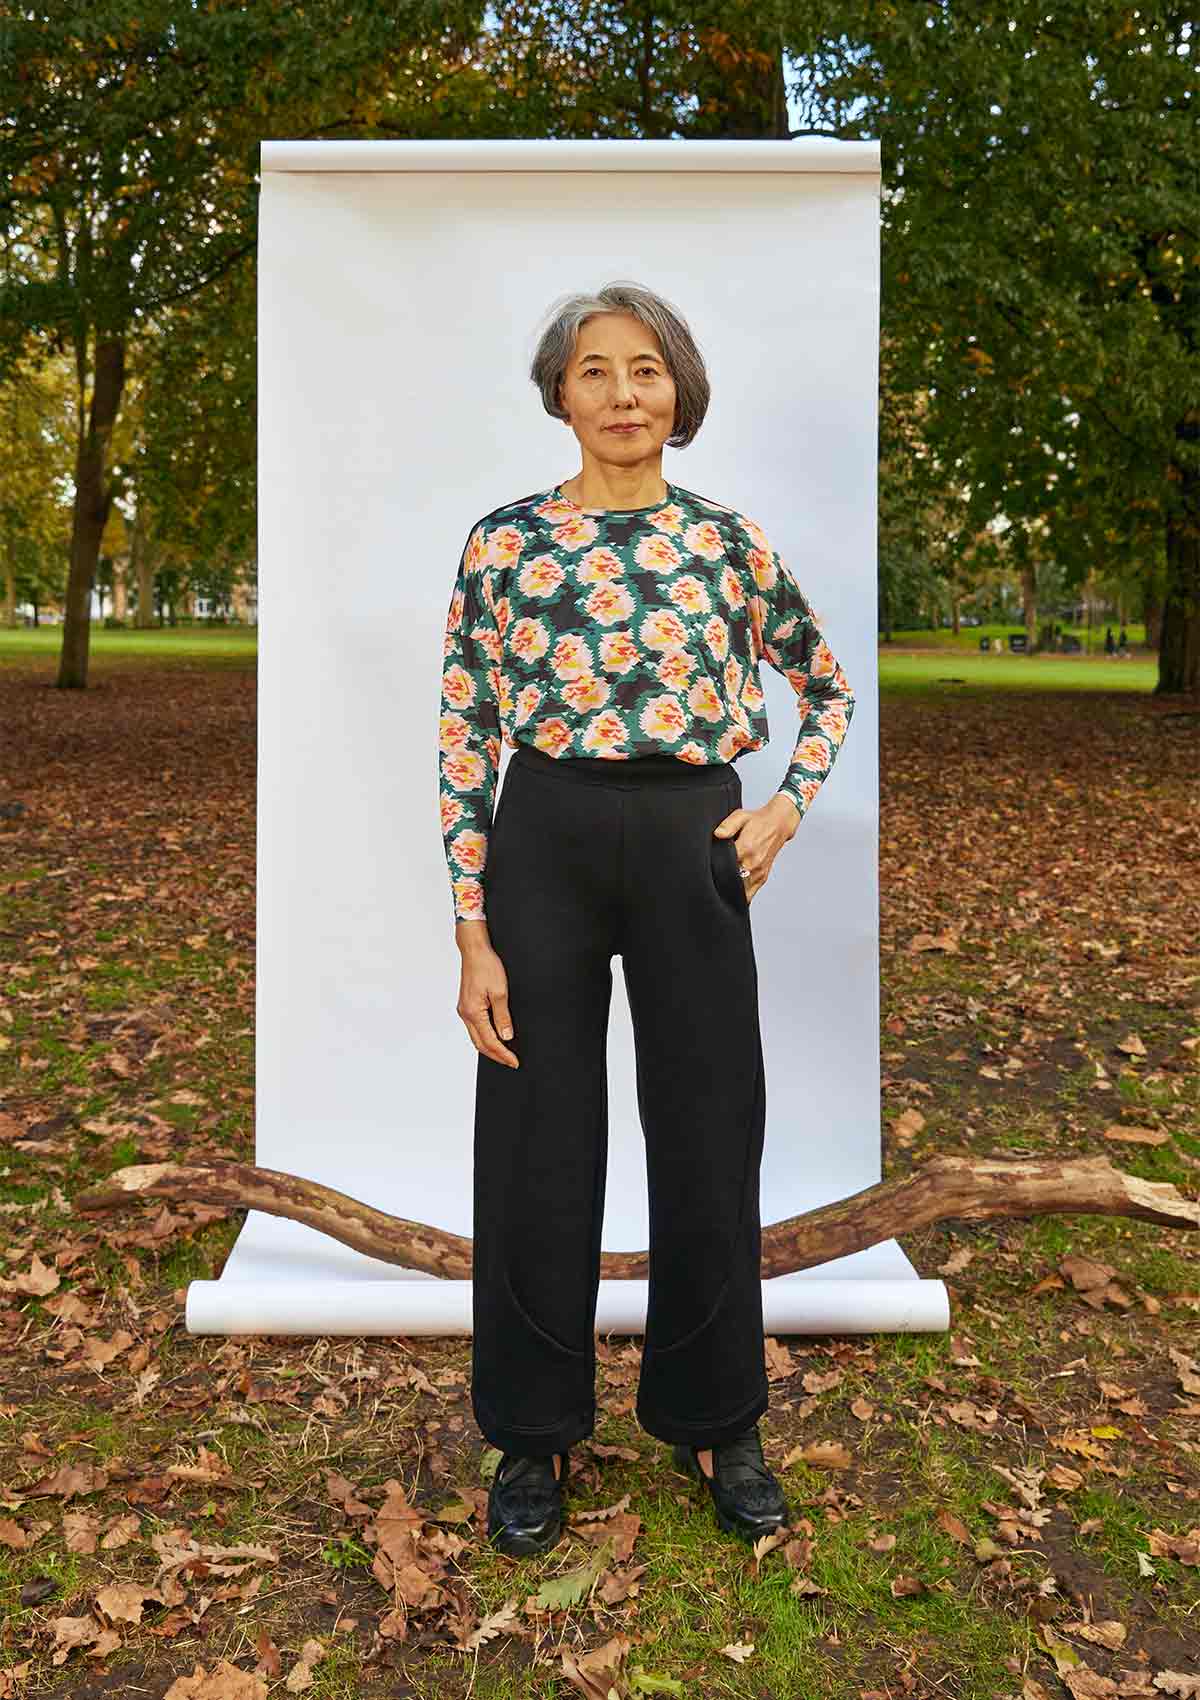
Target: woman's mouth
622,430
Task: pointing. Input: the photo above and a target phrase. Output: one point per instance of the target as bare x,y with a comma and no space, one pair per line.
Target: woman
609,629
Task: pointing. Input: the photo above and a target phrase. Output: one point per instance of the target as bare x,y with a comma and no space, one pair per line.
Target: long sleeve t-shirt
619,633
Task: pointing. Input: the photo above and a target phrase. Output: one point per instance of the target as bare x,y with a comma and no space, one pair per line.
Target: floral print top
618,633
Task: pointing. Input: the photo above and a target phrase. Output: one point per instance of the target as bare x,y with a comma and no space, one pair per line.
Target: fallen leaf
954,1526
300,1676
81,1530
502,1622
269,1662
40,1279
1137,1135
223,1682
827,1455
120,1530
70,1479
98,1353
1110,1632
124,1602
72,1632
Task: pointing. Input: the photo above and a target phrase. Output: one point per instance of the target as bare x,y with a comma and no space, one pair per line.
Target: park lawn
39,647
924,671
913,660
963,1504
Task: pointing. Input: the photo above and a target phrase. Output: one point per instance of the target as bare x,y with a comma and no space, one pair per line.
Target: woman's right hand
483,994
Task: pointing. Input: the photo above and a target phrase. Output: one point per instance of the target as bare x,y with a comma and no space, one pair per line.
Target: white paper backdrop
401,286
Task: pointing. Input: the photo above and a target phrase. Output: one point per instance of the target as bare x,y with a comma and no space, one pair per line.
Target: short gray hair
684,361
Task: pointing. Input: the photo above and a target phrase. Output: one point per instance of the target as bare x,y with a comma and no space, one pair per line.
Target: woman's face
617,375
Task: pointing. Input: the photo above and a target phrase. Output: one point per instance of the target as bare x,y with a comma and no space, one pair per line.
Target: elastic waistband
625,772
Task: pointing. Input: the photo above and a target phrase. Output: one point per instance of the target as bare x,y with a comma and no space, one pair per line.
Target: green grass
238,646
983,673
214,645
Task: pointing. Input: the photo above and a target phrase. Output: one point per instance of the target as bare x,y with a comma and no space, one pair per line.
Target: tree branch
970,1188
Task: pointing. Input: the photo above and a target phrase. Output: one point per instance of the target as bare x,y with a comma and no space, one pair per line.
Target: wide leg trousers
588,859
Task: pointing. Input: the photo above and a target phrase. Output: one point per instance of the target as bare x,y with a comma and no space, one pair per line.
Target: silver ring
745,872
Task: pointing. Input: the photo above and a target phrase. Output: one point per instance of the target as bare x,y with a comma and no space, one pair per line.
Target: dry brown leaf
269,1662
223,1682
501,1622
124,1602
81,1530
1184,1685
97,1353
907,1125
954,1526
1137,1135
72,1632
597,1672
968,1415
1109,1632
13,1536
69,1307
345,1494
1085,1274
1184,1549
120,1530
68,1480
40,1279
300,1676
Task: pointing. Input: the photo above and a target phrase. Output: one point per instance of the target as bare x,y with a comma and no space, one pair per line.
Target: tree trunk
970,1188
93,499
1179,642
142,556
119,591
10,581
1029,601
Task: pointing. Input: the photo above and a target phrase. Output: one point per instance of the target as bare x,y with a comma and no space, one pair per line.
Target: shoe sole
686,1461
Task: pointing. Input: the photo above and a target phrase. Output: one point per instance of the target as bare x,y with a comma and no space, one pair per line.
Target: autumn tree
130,157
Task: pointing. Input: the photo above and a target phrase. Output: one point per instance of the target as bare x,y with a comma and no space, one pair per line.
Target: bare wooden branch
970,1188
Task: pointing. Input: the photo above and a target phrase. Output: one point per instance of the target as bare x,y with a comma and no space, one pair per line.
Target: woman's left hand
760,834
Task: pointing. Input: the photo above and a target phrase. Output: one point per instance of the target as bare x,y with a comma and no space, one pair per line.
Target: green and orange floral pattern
619,633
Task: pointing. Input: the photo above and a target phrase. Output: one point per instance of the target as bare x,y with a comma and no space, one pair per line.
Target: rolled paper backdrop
401,289
292,1280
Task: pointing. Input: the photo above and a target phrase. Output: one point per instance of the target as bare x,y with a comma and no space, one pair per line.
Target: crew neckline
672,494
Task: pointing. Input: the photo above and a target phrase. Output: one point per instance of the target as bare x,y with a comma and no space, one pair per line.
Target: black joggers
590,858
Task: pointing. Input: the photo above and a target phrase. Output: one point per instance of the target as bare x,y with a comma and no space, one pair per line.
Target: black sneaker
525,1503
746,1497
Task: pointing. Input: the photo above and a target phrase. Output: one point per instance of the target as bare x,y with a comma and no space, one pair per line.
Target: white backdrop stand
401,289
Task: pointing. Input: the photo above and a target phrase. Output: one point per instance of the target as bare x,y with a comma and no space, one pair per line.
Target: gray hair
684,361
